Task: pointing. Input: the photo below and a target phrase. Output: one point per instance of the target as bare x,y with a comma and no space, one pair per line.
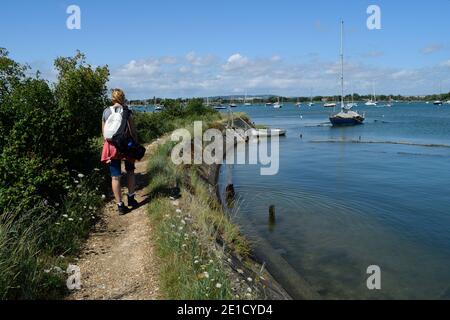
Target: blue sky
192,48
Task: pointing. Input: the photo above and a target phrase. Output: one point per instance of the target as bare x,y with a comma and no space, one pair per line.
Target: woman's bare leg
117,190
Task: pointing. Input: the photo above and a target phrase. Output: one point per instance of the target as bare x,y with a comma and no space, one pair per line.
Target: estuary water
348,198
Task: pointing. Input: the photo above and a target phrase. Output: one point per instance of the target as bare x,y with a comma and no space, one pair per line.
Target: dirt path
118,261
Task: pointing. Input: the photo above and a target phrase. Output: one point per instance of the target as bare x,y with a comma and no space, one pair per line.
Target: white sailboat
439,102
390,103
298,104
278,105
311,103
232,104
352,104
373,101
246,102
345,117
330,105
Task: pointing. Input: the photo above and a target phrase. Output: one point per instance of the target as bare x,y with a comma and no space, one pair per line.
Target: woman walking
114,159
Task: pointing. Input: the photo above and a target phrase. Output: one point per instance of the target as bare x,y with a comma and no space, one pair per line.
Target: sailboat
246,103
278,105
372,102
345,117
298,104
439,102
390,103
352,104
330,105
311,103
158,107
232,104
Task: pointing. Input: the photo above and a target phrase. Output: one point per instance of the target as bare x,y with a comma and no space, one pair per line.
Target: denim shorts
116,169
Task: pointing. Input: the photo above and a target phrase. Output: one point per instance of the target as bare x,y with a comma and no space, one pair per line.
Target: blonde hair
118,96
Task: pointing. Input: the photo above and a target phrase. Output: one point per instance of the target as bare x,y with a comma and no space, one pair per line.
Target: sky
185,48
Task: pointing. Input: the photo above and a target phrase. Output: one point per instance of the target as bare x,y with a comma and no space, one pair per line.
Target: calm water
344,206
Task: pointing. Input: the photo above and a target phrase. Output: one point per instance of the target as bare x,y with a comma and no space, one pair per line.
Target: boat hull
338,121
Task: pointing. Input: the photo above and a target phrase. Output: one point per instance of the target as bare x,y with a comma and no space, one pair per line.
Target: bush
153,125
49,181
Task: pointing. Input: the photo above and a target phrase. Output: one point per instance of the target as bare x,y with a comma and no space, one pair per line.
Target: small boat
298,104
158,107
330,105
266,132
232,104
439,102
278,105
311,103
246,103
448,102
220,107
345,117
350,105
268,104
373,101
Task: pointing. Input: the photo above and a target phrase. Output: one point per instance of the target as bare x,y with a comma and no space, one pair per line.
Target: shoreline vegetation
263,99
202,252
53,190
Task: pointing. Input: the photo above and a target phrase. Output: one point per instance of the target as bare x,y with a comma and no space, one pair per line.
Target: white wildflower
218,285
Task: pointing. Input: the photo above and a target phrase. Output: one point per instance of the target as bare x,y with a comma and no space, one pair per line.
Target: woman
111,156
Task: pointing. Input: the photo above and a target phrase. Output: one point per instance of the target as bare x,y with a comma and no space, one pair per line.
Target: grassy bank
195,239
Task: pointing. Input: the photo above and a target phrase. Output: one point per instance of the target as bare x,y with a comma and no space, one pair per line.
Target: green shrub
50,181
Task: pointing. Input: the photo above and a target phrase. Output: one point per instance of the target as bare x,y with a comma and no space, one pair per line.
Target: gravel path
118,261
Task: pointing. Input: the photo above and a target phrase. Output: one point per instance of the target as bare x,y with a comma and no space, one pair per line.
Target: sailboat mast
342,64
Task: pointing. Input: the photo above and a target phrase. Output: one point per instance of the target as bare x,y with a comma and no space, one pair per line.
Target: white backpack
113,122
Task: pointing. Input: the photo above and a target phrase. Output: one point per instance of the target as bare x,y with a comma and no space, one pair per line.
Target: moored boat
346,117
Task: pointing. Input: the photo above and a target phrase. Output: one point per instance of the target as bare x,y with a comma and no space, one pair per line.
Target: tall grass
193,265
36,246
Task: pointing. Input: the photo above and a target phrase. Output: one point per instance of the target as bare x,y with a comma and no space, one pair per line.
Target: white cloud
236,61
196,60
196,75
